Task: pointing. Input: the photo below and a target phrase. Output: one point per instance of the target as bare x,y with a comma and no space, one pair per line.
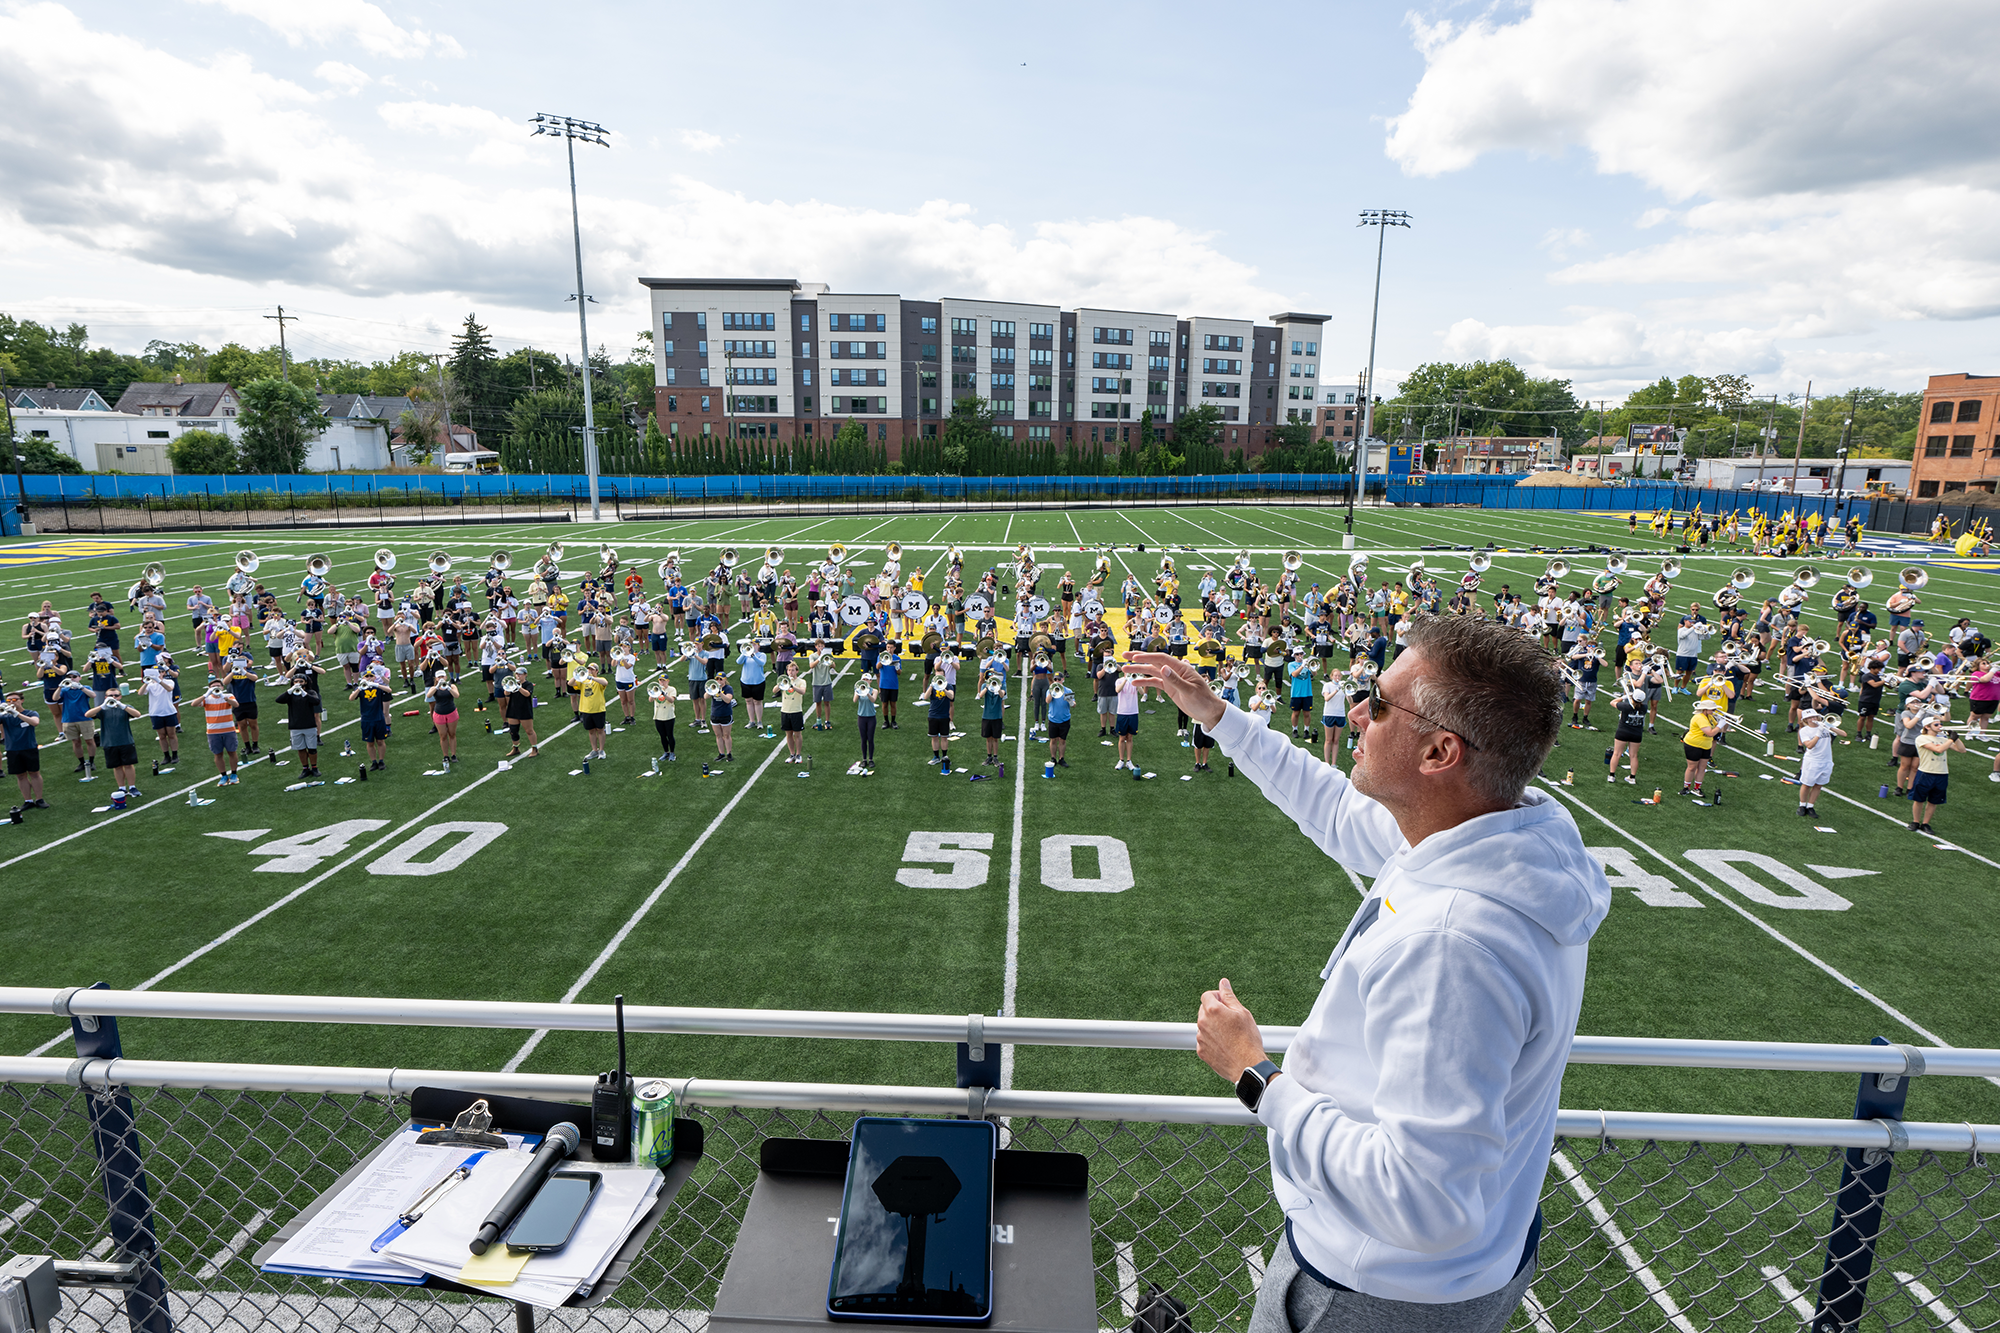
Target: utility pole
284,358
20,479
1764,438
1381,219
1799,452
570,131
444,401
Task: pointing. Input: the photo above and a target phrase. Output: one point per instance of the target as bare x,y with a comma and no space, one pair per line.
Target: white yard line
1012,974
1925,1297
1135,527
304,888
1254,1264
1788,1293
1128,1277
632,922
1538,1314
227,1255
18,1216
1758,922
1616,1235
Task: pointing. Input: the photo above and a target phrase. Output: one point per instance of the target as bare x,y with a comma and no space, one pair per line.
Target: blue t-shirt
76,701
20,734
753,667
1059,707
992,706
890,678
1302,681
374,701
940,705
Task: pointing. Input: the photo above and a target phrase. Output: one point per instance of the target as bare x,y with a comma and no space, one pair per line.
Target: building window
1951,486
928,406
1297,346
1040,407
964,352
1114,410
703,372
1042,331
806,375
1312,349
1961,445
667,347
927,379
701,319
1926,489
1003,355
1969,410
1003,328
670,374
927,324
806,404
962,380
667,320
805,323
881,430
701,348
805,349
929,352
758,319
1295,370
970,326
749,347
1003,407
1040,432
1041,356
704,402
1934,446
1003,381
673,402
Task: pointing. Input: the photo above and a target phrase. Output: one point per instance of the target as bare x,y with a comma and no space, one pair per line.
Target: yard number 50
965,853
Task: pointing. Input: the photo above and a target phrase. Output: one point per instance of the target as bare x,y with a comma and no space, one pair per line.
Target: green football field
766,887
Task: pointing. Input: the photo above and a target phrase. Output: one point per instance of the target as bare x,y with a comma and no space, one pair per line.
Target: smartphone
551,1216
916,1223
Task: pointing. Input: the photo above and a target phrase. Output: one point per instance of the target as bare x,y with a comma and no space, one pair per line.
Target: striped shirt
221,713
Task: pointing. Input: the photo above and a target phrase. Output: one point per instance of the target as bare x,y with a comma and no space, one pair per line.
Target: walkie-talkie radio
611,1104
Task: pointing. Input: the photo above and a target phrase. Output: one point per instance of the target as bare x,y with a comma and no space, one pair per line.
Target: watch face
1250,1088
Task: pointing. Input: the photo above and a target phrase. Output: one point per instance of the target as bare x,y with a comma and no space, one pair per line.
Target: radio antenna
618,1003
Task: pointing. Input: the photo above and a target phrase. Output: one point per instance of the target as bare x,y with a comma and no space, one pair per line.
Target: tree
279,421
1479,398
1198,428
968,436
203,453
420,431
236,365
473,368
39,455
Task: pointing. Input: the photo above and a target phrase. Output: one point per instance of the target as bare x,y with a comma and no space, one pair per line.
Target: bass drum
914,605
1036,607
854,611
978,604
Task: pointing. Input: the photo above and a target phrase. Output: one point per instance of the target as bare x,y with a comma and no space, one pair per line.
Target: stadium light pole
1381,219
570,130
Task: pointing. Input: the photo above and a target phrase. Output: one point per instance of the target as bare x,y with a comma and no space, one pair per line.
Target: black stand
521,1115
1043,1279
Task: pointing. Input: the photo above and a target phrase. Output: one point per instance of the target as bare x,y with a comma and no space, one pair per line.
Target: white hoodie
1413,1125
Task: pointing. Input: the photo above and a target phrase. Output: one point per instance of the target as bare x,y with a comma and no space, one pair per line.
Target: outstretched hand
1187,687
1226,1036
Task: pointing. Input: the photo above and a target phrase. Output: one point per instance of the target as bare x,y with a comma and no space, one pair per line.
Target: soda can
653,1124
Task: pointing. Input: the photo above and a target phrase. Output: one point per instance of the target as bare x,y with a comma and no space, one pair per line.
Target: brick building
1495,454
1958,440
776,358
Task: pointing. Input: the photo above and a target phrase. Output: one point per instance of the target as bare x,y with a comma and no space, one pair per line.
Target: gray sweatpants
1291,1302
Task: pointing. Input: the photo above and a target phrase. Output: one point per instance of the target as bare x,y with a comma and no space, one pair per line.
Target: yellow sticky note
495,1268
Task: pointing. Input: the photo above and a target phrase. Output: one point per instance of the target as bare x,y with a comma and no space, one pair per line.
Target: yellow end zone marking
42,553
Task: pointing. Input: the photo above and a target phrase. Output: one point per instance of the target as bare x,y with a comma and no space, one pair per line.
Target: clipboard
515,1115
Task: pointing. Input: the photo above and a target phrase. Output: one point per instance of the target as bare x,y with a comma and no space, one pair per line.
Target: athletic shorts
169,720
246,712
1128,724
990,728
890,693
1586,691
1984,707
1905,751
121,756
940,726
406,652
1653,693
76,731
374,731
658,642
23,761
222,744
1684,663
1330,721
1929,788
756,691
794,721
822,694
1695,754
305,738
591,721
347,659
1107,704
1058,731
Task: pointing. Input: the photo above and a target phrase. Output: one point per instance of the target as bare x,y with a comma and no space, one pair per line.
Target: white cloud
323,22
700,141
344,77
215,168
1832,165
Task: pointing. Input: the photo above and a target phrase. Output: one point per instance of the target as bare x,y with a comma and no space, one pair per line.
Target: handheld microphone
559,1143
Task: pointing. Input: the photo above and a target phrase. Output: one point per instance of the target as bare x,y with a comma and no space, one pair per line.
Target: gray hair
1494,687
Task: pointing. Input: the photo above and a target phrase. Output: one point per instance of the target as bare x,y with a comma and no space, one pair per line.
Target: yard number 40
965,853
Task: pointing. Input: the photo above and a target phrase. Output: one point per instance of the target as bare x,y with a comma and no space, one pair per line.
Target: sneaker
134,793
1064,763
1611,777
1631,781
932,760
1117,766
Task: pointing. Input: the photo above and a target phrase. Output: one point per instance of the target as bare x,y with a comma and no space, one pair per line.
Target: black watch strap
1250,1087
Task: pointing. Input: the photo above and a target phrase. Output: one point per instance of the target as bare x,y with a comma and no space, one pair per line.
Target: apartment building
778,358
1958,440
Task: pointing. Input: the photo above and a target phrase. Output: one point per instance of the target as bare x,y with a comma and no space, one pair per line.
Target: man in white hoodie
1412,1122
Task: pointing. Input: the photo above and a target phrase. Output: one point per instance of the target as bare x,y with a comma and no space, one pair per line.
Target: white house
133,443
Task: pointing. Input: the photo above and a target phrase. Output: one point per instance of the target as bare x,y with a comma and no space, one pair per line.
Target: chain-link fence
1638,1235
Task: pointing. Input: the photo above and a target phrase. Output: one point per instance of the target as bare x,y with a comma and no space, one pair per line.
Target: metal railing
174,1173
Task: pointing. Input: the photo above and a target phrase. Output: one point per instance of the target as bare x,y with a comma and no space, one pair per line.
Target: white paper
438,1244
337,1240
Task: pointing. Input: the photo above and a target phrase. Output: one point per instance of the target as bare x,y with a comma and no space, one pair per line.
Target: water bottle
1048,768
586,766
361,772
1882,792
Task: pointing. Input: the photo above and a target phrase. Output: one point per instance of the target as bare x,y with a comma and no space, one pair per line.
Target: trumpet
1859,577
1671,570
1479,563
1292,561
439,563
501,560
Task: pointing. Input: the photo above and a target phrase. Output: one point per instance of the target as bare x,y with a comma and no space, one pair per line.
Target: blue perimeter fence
107,503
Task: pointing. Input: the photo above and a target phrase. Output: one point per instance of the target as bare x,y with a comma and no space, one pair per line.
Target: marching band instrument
1479,563
1292,561
1243,559
728,558
1805,576
554,553
156,574
385,559
668,568
1671,570
1166,564
714,688
1616,564
1913,577
1859,577
894,550
1558,569
606,557
774,555
439,563
837,552
1417,568
501,560
1357,567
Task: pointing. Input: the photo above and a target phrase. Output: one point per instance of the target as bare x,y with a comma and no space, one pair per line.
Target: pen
411,1215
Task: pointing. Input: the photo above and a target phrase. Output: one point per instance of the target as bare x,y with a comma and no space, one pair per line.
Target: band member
1934,749
218,708
1699,744
442,695
866,691
889,678
1061,700
822,685
1333,720
722,717
625,676
1300,671
121,750
517,695
792,692
1816,733
1631,705
590,691
937,697
1126,726
24,755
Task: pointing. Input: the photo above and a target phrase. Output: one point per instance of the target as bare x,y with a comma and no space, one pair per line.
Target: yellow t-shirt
590,695
1716,690
1697,736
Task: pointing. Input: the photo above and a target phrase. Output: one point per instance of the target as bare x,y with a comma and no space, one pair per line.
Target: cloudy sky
1606,190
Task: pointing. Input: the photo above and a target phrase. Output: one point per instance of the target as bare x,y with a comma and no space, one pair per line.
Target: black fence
1919,515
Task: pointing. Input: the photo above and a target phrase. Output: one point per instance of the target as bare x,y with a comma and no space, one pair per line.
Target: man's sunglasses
1378,708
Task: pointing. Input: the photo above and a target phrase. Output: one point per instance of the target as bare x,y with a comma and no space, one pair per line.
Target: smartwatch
1250,1087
